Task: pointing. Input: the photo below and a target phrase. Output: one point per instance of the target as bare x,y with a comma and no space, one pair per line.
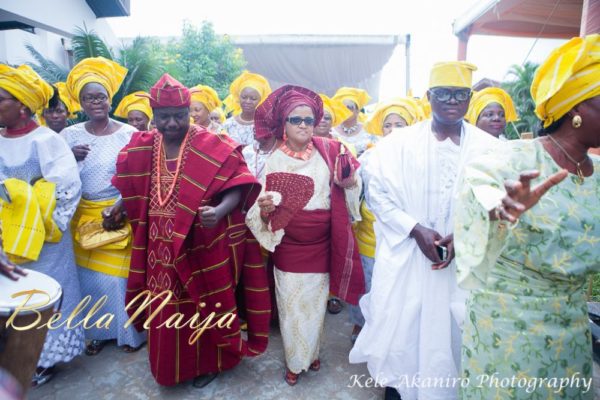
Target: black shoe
391,394
203,380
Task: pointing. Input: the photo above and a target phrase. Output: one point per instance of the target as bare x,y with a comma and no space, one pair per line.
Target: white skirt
301,302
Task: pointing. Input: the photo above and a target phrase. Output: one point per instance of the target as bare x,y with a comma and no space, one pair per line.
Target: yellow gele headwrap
338,111
452,73
26,86
245,80
407,108
63,95
134,102
358,96
221,113
425,105
570,75
487,96
96,69
206,95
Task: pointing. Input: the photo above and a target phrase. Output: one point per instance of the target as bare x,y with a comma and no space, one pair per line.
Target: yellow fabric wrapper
206,95
134,102
407,108
26,86
487,96
27,219
338,111
452,73
245,80
570,75
111,259
100,70
365,235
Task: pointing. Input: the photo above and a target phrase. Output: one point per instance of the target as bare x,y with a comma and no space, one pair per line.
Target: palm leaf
88,44
47,69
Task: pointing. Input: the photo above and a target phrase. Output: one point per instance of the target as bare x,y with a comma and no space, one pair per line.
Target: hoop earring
576,121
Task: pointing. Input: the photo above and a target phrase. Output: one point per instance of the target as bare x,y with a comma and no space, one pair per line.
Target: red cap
168,92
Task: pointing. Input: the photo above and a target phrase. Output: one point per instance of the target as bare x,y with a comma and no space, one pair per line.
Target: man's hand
209,216
80,151
113,217
426,239
447,242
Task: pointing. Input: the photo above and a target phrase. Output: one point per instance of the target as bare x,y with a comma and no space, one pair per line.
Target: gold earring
576,121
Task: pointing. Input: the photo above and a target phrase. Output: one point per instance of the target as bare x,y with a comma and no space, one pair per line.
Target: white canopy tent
322,63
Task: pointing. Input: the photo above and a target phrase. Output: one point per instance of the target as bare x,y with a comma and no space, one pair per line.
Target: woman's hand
80,151
8,269
113,217
266,205
520,197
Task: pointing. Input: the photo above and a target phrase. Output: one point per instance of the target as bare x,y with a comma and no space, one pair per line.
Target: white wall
53,20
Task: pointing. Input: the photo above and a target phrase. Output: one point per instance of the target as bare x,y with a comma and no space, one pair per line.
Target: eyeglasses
6,98
308,121
327,118
100,98
444,95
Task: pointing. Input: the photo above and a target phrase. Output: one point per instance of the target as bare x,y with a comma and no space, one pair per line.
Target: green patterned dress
526,333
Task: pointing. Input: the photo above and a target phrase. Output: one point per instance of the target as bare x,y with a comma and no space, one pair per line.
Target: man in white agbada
411,338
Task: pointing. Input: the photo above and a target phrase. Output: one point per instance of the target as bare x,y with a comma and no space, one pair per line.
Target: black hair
54,100
550,129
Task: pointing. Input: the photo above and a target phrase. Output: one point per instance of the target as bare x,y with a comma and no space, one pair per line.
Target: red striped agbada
171,250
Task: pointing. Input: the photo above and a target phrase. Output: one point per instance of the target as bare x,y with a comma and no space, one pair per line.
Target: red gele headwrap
168,92
270,115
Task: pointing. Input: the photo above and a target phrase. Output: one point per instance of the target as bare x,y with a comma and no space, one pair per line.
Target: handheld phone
442,252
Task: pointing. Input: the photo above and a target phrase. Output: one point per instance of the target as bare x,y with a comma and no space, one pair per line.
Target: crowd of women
473,251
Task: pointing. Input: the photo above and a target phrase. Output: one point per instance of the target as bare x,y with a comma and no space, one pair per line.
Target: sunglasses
308,121
444,95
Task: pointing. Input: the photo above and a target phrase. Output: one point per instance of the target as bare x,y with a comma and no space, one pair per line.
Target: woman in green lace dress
524,247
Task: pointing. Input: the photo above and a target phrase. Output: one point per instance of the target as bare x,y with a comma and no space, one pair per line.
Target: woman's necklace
251,121
580,176
103,130
257,158
301,155
162,159
350,131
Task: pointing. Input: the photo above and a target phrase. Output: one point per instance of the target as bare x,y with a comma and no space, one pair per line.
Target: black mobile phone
442,252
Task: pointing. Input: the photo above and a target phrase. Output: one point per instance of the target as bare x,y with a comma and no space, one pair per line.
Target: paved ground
115,375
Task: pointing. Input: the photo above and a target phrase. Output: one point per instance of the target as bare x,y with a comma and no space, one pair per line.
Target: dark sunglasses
444,95
308,121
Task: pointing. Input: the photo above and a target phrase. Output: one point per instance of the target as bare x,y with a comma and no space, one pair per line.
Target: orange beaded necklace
161,159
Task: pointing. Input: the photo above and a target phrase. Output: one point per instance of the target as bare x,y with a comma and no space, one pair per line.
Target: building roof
560,19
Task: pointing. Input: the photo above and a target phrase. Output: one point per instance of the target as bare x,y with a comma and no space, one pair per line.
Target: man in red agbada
185,191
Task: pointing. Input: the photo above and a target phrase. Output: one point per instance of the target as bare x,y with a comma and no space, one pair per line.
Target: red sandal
290,377
316,365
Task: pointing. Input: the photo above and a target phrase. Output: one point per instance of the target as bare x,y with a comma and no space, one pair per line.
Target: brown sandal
95,347
290,377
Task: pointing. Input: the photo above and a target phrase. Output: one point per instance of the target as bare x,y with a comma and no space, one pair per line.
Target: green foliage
200,56
519,89
47,69
88,44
